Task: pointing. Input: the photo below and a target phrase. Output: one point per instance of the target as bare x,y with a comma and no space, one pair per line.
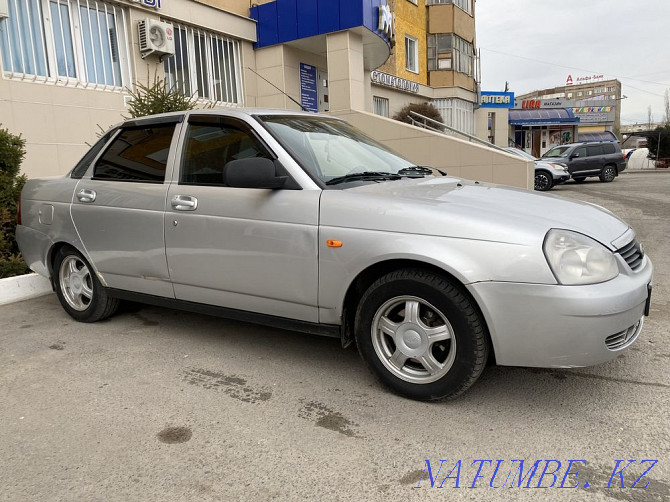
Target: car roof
238,112
581,143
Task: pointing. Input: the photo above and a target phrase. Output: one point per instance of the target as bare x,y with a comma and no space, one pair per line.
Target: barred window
65,41
205,65
450,52
380,106
457,113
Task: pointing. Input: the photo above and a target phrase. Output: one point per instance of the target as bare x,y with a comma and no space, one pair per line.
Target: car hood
452,207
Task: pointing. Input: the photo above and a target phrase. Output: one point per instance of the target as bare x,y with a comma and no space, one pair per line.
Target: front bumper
558,326
561,178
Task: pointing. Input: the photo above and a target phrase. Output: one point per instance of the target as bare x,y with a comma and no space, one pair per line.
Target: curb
23,287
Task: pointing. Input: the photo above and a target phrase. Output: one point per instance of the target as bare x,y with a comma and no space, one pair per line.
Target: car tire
543,181
579,180
608,174
421,335
79,290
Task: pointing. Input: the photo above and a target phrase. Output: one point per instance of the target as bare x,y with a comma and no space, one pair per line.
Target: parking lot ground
155,404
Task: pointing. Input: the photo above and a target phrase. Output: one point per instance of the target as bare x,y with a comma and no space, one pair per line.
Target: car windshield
521,153
335,152
557,151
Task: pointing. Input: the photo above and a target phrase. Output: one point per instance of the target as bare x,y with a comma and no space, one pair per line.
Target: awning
597,136
542,116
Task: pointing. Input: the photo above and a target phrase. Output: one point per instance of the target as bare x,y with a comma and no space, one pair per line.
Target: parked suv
603,159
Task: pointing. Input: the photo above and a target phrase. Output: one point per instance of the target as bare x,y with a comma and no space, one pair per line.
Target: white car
547,174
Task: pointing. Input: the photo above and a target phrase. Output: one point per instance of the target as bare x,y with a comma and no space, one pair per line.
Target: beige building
588,96
66,68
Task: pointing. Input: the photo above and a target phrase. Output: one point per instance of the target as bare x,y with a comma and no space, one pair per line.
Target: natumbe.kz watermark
568,474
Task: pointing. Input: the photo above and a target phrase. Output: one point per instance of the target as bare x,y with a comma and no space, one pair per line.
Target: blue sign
309,96
492,99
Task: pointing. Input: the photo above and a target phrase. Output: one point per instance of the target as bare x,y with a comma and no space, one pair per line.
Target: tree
157,98
650,118
425,109
667,108
12,152
658,142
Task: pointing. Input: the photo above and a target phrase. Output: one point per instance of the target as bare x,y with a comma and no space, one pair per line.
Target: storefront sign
595,114
533,104
389,80
155,4
386,24
491,99
584,80
308,90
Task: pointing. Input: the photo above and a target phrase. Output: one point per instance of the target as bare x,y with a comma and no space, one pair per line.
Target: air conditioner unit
4,8
156,37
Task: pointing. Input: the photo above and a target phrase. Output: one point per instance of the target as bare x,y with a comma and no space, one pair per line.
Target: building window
205,65
380,106
66,41
464,5
457,113
411,54
450,52
569,95
579,94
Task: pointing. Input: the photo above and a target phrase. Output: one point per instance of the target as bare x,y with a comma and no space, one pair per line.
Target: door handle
184,203
86,195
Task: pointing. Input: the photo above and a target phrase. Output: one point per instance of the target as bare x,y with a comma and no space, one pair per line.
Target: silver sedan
301,221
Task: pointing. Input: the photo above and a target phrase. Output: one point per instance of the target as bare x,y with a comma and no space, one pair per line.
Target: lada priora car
300,221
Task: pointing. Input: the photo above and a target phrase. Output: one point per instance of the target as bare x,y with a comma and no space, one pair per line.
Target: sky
536,44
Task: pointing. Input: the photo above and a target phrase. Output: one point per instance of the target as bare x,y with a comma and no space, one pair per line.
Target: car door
119,210
241,248
578,161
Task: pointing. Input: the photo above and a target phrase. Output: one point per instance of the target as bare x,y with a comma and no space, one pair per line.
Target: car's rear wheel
421,335
579,180
79,290
543,181
608,174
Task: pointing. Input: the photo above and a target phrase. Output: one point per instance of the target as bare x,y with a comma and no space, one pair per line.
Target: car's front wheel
421,335
79,290
543,181
608,174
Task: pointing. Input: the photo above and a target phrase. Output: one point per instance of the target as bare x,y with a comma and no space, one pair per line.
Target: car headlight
577,259
562,167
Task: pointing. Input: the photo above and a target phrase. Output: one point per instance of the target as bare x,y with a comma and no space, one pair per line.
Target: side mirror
253,172
574,156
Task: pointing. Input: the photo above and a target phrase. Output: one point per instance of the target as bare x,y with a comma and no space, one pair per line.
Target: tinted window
137,154
593,150
581,151
609,148
210,146
557,151
82,166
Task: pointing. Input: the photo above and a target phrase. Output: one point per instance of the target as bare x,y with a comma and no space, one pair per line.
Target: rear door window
83,165
138,154
593,150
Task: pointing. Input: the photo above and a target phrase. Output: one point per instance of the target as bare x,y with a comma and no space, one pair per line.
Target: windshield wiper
366,175
420,171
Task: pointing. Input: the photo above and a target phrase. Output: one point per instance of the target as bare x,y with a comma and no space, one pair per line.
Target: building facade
67,66
595,101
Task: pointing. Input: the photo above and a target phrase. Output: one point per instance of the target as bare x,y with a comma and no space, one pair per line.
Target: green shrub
12,152
425,109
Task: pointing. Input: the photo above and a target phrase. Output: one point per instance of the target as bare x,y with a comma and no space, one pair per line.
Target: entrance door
537,141
322,86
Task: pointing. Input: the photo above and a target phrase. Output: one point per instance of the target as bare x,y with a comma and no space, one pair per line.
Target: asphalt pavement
155,404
